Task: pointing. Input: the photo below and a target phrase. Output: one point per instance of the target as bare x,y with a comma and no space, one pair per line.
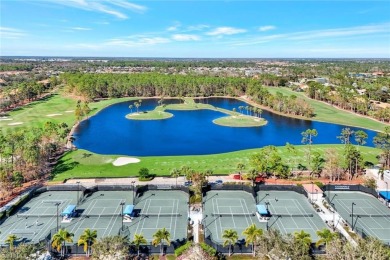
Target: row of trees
25,154
347,97
268,161
92,86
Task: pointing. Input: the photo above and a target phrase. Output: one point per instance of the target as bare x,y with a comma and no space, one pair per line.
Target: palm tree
208,173
59,239
259,111
303,237
175,173
10,240
159,237
252,174
326,236
131,108
252,233
88,238
136,104
138,240
230,237
240,167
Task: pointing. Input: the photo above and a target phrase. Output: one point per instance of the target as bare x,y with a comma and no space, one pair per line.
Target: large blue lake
192,132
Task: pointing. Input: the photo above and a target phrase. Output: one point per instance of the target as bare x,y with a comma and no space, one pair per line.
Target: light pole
122,204
353,204
329,191
78,190
266,223
57,204
334,210
132,183
387,192
316,195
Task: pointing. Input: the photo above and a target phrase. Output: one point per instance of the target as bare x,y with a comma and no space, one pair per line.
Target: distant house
321,80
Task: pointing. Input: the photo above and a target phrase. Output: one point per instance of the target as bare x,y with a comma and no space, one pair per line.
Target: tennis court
369,214
228,210
291,212
37,218
160,209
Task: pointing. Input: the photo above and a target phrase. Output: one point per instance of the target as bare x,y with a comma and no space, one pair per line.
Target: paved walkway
332,218
196,218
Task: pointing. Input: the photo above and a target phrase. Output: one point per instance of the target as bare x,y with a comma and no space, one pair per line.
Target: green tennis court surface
161,209
37,218
220,208
370,215
291,212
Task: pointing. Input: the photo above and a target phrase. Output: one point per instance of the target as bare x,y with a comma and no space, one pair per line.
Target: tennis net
101,215
36,215
248,214
292,215
371,215
160,214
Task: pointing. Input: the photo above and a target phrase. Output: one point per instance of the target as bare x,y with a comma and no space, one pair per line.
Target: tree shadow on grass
63,166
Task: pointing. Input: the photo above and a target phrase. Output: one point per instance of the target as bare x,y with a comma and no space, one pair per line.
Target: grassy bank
328,113
84,164
56,108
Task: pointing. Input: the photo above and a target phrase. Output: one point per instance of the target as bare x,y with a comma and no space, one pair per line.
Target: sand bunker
5,119
69,111
125,160
16,123
54,115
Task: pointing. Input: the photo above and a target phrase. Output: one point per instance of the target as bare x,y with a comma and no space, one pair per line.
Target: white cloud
11,33
104,6
198,27
137,42
266,28
174,27
81,29
185,37
225,31
329,34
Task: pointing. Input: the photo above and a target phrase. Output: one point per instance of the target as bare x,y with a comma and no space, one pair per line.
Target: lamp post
266,223
57,204
334,210
387,192
329,191
122,204
78,190
353,204
132,183
316,195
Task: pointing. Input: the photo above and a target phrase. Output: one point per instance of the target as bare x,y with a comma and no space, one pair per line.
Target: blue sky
215,29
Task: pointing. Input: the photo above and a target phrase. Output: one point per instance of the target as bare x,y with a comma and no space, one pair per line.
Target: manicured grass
150,115
84,164
56,108
328,113
240,121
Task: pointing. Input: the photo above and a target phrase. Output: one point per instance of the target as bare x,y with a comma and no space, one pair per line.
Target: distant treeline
16,67
108,85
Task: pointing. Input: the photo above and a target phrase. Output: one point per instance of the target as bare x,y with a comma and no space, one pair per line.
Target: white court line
247,211
114,218
147,210
293,220
234,223
177,209
309,220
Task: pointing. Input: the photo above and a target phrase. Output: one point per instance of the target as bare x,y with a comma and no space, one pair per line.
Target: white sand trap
69,111
16,123
54,115
125,160
5,119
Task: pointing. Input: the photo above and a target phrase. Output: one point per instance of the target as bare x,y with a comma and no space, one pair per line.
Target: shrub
319,184
180,250
143,173
208,249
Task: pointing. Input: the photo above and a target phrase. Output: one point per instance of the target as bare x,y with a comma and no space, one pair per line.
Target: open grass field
328,113
56,108
84,164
